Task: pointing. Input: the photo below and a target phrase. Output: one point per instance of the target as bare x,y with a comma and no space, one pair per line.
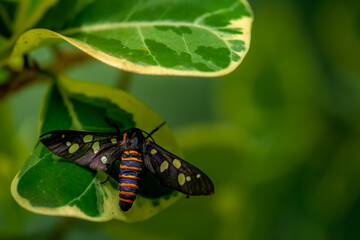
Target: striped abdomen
130,170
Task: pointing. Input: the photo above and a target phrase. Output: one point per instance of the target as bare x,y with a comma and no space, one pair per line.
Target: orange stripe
129,176
132,152
132,159
126,200
127,193
123,141
130,168
129,185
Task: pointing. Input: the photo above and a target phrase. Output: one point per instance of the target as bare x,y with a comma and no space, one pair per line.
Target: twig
31,74
19,80
66,60
124,80
62,229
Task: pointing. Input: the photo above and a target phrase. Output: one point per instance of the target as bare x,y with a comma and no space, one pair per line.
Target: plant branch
63,228
67,60
18,80
31,74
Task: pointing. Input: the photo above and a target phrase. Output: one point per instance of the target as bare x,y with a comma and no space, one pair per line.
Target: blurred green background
280,136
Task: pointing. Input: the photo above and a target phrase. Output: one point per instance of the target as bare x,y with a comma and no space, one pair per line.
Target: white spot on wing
181,179
96,147
177,163
164,166
88,138
104,159
74,148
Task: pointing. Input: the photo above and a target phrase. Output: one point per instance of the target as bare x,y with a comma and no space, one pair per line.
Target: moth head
136,138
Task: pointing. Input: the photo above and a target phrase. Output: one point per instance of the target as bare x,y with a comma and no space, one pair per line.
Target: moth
136,152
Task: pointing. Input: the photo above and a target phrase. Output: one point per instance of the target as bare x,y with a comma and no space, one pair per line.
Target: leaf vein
206,15
186,46
83,193
70,107
138,25
133,10
145,45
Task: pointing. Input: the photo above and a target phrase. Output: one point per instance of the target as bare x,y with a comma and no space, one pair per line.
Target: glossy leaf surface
161,37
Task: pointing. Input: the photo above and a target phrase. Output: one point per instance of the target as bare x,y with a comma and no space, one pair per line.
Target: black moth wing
98,150
175,173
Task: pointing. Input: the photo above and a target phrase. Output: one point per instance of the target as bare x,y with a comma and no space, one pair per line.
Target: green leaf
17,17
29,12
162,37
50,185
7,10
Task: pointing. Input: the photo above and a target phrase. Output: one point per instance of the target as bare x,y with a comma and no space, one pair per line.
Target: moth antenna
148,136
157,128
153,131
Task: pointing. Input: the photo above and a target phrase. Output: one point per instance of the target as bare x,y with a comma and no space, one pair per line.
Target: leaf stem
62,229
18,80
124,80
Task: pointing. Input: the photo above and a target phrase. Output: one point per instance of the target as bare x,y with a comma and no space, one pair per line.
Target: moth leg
108,175
107,179
112,124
